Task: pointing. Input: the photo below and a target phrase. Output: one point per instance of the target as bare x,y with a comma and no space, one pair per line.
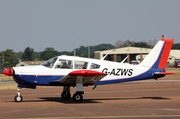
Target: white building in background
131,52
173,56
134,54
27,63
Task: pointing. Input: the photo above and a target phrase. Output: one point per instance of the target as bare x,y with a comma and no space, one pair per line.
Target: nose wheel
18,97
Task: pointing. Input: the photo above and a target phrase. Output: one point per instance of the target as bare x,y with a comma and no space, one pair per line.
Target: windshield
50,63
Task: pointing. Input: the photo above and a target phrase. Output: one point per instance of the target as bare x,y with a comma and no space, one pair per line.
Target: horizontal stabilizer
164,73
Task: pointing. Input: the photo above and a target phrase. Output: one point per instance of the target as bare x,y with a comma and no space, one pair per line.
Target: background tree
19,54
141,44
128,43
176,46
84,50
10,59
28,54
48,53
152,43
118,43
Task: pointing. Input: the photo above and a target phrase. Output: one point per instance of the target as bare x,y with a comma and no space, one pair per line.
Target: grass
4,77
6,86
173,70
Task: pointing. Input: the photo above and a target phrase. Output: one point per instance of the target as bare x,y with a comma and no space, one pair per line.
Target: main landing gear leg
77,97
66,95
18,97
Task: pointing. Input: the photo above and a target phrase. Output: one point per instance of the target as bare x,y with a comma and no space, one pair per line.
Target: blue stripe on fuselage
46,79
36,80
147,75
25,79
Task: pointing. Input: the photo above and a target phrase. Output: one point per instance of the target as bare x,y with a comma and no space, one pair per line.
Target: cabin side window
64,64
94,66
81,65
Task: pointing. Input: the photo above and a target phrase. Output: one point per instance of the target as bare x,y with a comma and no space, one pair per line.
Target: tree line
144,44
9,58
30,55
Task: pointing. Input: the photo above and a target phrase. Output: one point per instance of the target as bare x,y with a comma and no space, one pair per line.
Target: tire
77,97
65,95
18,98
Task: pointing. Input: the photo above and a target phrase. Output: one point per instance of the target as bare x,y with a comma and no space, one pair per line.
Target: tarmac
7,81
132,100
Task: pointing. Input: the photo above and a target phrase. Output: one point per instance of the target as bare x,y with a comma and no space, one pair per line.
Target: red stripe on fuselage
165,53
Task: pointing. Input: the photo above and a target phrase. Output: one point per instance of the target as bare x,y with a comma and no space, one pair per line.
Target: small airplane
70,71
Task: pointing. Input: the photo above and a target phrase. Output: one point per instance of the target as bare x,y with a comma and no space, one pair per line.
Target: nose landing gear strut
18,97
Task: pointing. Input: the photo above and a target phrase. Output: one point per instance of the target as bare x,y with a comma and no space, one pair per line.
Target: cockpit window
94,66
64,64
81,65
50,63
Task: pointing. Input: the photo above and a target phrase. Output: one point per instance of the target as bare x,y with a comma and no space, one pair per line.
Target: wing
90,77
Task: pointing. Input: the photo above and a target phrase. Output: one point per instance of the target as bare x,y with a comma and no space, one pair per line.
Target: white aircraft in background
73,71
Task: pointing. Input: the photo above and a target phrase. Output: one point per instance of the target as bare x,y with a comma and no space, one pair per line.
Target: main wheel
77,97
65,95
18,98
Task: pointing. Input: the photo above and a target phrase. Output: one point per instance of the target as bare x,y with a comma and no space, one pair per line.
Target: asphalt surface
135,100
7,81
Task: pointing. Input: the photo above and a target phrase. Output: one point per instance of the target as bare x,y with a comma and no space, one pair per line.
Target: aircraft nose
8,72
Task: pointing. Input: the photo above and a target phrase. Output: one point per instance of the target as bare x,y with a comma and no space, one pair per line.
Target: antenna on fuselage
104,57
124,59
